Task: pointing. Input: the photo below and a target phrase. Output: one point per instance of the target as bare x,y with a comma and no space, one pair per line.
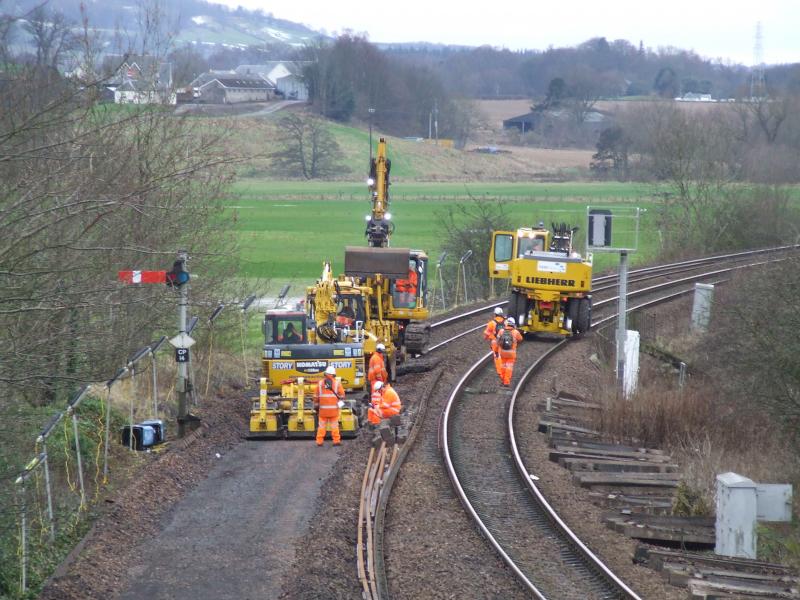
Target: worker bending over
490,334
385,403
507,340
328,399
377,366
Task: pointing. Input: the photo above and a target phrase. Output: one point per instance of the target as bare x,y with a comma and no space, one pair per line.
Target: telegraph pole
371,112
436,119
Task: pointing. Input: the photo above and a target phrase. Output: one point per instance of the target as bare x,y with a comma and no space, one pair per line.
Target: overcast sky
712,28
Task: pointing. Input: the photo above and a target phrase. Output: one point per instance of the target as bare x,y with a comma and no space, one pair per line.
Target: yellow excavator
382,295
551,283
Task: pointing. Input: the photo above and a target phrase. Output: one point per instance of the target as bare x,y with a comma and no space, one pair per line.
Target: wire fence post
245,306
154,395
211,320
78,455
109,384
50,516
463,264
133,394
440,277
20,481
23,584
154,366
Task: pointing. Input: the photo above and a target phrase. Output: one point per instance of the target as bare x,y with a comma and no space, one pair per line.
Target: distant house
142,81
695,97
535,121
232,89
524,123
142,92
286,75
204,78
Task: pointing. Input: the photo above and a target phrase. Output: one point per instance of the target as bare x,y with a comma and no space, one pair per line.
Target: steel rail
648,272
589,558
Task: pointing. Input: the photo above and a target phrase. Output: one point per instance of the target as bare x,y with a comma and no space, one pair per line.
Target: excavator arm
379,225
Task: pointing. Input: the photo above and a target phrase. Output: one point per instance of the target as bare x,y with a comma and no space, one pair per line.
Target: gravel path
232,536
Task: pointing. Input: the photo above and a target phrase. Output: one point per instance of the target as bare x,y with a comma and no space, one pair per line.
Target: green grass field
285,235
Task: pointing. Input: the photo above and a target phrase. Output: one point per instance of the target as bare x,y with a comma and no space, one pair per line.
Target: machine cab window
349,310
529,245
405,292
285,328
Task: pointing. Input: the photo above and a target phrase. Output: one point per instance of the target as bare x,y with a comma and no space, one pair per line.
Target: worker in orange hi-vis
490,334
328,399
507,340
385,403
377,366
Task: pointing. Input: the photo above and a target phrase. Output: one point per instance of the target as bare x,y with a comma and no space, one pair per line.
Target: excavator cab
287,327
411,291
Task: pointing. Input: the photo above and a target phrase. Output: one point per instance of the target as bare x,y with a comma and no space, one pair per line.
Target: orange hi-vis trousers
507,360
326,423
497,362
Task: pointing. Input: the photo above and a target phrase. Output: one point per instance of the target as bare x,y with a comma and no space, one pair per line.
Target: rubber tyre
584,321
572,314
516,306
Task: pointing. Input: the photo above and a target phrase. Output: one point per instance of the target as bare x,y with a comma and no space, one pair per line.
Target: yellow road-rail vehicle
292,365
551,283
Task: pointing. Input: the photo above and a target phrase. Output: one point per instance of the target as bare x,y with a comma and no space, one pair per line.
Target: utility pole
371,112
436,119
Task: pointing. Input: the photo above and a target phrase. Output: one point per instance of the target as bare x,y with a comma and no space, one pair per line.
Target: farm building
231,89
286,76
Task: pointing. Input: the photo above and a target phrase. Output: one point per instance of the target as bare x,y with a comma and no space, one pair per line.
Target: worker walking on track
507,340
490,334
385,403
328,396
377,367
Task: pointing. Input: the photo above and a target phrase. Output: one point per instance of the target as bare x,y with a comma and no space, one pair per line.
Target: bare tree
52,35
466,227
306,148
86,191
584,88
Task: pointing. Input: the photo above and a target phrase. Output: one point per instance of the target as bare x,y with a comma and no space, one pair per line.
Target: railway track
479,448
442,329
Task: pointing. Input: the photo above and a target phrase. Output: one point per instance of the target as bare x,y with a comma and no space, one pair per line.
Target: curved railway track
480,453
442,329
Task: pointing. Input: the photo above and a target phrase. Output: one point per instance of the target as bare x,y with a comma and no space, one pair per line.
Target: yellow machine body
292,414
287,357
366,307
550,283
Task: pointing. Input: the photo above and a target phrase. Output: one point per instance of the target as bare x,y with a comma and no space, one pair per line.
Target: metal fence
56,490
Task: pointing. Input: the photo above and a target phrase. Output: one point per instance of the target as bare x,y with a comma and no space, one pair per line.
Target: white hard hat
331,370
380,347
378,385
498,311
510,321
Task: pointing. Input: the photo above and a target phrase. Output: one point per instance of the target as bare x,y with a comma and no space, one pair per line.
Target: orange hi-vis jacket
516,339
327,398
492,329
386,404
408,286
377,369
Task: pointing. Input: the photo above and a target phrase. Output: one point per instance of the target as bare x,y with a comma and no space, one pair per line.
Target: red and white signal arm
143,276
